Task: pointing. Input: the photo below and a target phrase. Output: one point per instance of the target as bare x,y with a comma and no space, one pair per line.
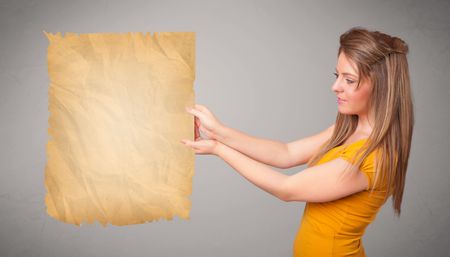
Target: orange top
335,228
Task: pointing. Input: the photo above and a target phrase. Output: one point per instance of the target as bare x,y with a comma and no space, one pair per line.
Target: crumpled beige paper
117,115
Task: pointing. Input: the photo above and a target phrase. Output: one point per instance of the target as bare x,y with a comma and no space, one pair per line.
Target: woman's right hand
205,122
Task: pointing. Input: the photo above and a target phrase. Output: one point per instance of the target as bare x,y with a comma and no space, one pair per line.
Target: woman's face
351,100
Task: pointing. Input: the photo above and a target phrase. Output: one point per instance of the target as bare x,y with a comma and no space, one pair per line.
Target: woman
353,166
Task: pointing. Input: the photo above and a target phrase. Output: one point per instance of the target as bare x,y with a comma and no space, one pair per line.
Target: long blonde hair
381,59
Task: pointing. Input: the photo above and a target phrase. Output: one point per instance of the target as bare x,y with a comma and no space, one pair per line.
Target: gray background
263,67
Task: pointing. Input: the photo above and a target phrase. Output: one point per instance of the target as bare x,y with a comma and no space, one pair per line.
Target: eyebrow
348,74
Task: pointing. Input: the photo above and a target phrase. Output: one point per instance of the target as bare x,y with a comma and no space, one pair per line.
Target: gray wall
263,67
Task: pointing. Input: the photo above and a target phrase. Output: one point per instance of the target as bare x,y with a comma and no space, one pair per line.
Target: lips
340,99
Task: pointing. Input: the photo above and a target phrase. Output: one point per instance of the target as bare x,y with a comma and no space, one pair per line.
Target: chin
343,111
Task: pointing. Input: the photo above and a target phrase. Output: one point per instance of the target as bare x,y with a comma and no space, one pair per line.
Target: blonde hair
381,59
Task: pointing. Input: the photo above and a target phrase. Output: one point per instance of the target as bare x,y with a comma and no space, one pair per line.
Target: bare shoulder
300,151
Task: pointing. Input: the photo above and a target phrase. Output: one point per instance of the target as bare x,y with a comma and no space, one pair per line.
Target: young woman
353,166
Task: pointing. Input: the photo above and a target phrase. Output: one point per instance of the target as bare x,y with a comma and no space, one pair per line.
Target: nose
336,87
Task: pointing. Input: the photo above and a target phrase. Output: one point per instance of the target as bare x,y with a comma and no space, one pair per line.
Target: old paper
117,115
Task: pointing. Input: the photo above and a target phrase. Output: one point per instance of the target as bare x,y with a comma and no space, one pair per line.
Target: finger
197,121
202,108
196,128
189,143
196,132
197,125
196,113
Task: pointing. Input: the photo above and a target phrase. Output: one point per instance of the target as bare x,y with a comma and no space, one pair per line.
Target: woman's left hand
202,146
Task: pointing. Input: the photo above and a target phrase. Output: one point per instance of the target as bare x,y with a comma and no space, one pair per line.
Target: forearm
257,173
270,152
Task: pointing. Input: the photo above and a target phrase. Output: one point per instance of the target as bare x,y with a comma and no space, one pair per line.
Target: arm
301,151
267,151
325,182
257,173
270,152
320,183
274,153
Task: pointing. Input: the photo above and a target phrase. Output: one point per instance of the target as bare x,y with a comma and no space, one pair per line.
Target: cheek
359,98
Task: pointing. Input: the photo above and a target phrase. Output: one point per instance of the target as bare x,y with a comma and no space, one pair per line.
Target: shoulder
353,152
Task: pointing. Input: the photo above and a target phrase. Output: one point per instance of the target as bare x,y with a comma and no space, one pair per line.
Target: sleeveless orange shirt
336,228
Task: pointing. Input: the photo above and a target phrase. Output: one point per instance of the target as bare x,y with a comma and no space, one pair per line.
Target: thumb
202,108
195,112
189,142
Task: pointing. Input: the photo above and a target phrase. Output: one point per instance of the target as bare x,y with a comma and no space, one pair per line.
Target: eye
349,81
335,74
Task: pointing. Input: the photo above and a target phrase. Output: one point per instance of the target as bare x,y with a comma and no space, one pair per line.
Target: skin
356,99
320,183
